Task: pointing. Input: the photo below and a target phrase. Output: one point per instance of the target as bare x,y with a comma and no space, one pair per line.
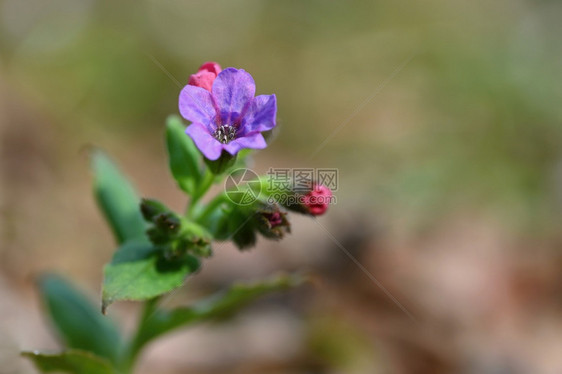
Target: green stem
204,186
135,345
211,207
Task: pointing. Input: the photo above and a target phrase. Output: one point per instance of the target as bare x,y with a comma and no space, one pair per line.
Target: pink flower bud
317,200
205,76
273,223
211,66
275,219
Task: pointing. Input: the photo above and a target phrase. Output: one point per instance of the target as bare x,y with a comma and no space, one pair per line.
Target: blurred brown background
444,119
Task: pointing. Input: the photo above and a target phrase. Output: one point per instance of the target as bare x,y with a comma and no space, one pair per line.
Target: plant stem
134,346
211,207
206,182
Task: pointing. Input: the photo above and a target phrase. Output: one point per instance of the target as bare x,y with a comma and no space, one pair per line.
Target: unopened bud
205,76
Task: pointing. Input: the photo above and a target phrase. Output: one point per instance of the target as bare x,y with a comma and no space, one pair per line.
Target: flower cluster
227,117
224,111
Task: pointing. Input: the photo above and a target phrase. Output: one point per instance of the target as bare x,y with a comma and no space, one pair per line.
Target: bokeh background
444,119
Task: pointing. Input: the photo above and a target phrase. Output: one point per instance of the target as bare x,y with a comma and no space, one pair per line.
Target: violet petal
261,114
253,141
196,105
207,144
233,90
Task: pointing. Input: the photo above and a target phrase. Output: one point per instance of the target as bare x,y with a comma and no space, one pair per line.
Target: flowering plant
159,248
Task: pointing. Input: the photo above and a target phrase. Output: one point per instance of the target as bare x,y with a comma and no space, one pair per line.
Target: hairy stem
211,207
206,182
135,345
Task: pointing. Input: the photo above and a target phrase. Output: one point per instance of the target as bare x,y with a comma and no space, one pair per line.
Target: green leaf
217,222
117,200
77,320
222,304
242,230
184,158
72,362
138,271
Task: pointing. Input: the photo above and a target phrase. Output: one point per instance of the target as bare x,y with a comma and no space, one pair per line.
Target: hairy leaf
138,271
183,156
117,200
77,320
72,362
222,304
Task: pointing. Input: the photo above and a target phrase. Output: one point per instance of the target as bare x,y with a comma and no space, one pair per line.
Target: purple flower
228,117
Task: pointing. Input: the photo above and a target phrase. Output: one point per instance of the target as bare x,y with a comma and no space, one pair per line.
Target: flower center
225,133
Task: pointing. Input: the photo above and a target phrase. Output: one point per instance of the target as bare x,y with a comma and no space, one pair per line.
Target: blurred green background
444,119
